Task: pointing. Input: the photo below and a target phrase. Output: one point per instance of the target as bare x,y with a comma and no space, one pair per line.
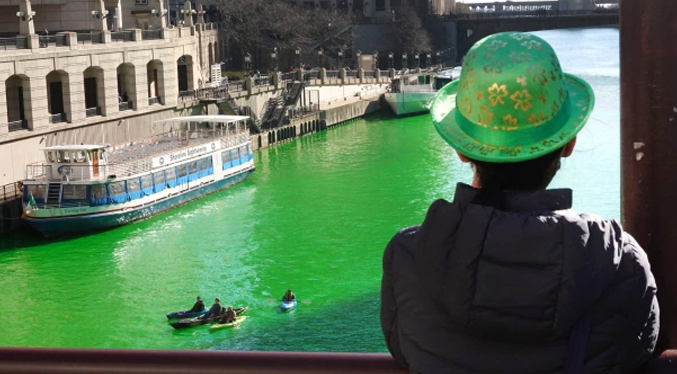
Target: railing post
105,37
360,75
277,80
136,35
342,76
649,143
377,75
299,74
392,73
249,85
32,41
323,76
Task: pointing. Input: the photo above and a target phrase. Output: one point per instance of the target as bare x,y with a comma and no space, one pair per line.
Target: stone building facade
71,87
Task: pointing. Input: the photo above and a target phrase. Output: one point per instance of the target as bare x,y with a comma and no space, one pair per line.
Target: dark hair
527,175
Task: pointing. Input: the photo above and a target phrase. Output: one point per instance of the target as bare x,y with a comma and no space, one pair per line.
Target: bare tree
410,34
254,24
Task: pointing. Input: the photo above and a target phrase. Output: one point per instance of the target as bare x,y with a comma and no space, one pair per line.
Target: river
315,217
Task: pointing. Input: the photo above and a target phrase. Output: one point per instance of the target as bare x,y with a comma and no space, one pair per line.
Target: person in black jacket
507,278
215,310
198,306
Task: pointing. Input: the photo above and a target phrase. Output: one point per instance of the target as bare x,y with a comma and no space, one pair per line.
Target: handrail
80,361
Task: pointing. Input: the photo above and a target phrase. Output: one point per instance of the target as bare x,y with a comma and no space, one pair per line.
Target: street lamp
25,16
417,61
358,54
99,15
340,58
154,12
320,58
247,61
375,64
428,60
405,65
391,60
437,57
273,59
297,52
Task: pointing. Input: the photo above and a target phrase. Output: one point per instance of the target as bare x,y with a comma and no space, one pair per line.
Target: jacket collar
531,201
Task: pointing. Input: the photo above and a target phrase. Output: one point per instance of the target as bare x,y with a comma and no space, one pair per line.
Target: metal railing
94,111
288,77
151,34
351,73
385,73
38,171
263,80
89,37
127,105
57,118
21,124
10,191
13,43
121,36
332,74
530,14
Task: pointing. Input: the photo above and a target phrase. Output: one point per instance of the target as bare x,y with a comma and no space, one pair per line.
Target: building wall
72,65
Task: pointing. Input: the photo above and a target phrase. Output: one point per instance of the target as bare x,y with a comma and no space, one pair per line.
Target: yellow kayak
237,321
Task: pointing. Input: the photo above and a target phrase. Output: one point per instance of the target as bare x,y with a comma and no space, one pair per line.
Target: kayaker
506,277
229,316
198,306
289,296
214,311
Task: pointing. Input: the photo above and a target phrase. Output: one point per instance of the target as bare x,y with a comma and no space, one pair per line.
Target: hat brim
581,101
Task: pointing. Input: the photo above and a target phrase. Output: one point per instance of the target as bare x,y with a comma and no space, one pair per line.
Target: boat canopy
74,147
212,119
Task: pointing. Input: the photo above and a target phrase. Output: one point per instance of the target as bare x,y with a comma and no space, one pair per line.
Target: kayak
287,305
218,326
186,314
197,321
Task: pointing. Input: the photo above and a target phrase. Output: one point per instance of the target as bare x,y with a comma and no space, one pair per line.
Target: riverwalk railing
151,34
121,36
535,13
13,43
10,191
81,361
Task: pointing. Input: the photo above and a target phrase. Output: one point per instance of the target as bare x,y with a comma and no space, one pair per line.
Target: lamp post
405,65
247,61
340,58
273,60
188,16
297,52
391,60
320,58
358,54
375,62
428,60
437,58
417,61
27,16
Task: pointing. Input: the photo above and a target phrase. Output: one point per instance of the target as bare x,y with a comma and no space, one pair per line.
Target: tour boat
413,93
80,188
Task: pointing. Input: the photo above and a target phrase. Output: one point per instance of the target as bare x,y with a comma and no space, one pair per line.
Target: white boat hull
413,102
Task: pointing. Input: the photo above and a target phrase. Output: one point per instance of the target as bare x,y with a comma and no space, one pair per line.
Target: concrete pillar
105,37
33,41
157,19
26,26
377,75
76,86
109,91
299,74
342,76
323,76
71,38
391,73
200,15
187,14
99,14
118,16
249,85
360,75
136,35
277,78
139,94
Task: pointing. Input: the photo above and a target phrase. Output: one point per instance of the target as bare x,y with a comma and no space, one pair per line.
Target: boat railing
38,171
10,191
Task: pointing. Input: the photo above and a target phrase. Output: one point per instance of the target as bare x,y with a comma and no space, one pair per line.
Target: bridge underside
471,31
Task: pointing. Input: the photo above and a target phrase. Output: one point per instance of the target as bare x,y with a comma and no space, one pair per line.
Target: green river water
315,217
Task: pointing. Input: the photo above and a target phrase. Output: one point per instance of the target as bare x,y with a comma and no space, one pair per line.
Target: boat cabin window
80,156
37,190
50,156
74,192
98,191
63,157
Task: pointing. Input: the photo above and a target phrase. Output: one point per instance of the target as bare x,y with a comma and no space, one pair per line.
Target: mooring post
648,30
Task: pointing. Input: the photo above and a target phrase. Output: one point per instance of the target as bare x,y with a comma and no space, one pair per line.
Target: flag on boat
31,201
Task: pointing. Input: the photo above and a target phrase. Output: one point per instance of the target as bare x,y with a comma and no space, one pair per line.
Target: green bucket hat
512,102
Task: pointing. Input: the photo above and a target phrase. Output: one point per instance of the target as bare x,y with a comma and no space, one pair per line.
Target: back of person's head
217,300
512,113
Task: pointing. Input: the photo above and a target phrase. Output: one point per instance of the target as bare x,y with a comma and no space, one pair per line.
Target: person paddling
198,306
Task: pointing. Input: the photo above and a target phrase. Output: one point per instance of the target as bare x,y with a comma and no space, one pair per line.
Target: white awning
213,119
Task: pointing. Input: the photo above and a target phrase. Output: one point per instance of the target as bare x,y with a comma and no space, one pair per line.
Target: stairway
54,194
274,110
294,93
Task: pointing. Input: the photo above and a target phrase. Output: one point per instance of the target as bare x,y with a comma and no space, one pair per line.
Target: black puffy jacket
495,285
